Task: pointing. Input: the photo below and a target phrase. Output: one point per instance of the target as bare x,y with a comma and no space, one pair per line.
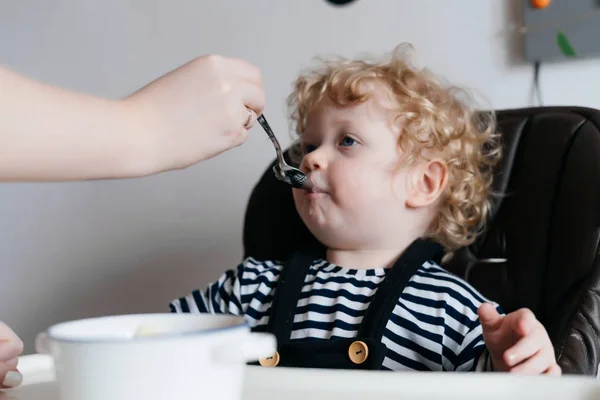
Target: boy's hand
10,348
517,342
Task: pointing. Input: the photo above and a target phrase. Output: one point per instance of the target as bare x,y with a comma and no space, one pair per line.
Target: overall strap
287,295
385,299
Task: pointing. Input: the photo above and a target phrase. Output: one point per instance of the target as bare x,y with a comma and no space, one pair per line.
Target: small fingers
489,317
524,321
525,348
554,370
536,365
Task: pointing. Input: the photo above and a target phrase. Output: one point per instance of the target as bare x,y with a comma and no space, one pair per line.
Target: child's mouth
315,192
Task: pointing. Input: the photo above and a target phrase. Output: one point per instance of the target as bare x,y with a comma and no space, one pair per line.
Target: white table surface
308,384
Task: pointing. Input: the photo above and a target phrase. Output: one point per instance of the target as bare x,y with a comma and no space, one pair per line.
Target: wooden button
358,352
270,361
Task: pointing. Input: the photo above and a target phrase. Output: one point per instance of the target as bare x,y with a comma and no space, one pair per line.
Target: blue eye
347,141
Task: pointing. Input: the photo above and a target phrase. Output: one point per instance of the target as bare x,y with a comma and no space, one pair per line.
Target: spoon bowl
283,171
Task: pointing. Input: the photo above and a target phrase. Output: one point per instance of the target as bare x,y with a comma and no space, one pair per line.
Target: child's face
353,157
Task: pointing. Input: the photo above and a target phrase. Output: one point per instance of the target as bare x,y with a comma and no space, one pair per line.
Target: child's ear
426,183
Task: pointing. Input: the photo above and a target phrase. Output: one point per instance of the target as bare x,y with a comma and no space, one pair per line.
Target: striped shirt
433,327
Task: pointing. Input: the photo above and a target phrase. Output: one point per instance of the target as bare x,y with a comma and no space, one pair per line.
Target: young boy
402,169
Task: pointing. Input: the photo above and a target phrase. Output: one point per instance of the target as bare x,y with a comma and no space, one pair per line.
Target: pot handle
257,345
43,343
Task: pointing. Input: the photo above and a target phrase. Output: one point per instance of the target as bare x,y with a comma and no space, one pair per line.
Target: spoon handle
265,125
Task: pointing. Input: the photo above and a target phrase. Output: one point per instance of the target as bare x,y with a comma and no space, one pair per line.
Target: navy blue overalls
365,351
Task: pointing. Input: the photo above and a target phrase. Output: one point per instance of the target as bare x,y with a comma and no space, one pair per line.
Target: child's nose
315,160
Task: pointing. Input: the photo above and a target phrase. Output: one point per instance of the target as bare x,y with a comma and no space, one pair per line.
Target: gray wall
92,248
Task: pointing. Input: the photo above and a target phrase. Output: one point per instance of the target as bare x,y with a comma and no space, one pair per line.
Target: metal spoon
283,171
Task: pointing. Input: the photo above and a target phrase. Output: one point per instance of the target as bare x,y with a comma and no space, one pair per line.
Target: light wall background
74,250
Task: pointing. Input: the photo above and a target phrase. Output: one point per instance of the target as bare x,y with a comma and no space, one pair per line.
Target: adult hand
197,111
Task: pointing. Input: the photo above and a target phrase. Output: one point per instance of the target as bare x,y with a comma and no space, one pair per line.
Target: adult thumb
489,317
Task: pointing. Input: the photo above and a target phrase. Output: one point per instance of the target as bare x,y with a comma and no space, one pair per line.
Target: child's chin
330,238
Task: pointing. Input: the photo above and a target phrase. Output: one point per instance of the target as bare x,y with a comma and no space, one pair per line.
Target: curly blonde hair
434,119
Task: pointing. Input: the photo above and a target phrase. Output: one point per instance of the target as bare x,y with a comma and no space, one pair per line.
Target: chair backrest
540,249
